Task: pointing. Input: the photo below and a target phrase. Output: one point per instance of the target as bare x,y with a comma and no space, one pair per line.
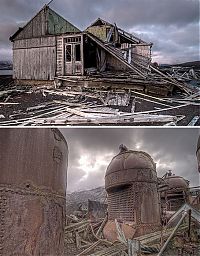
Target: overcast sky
172,25
92,149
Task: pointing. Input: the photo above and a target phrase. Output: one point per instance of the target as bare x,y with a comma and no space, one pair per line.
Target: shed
49,46
36,46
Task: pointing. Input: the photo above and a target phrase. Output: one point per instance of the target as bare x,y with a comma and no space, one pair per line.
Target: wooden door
73,56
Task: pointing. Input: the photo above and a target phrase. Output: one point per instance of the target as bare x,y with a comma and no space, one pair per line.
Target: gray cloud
91,150
171,25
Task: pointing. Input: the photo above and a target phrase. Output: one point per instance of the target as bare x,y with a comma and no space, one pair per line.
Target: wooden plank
35,27
133,247
116,56
194,120
34,63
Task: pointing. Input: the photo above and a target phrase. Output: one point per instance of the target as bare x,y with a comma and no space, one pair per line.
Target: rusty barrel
33,175
198,154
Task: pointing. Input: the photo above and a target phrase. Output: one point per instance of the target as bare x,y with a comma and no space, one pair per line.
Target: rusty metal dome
198,153
124,166
131,185
177,182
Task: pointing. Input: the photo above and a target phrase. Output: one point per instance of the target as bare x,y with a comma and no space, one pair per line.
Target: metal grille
121,204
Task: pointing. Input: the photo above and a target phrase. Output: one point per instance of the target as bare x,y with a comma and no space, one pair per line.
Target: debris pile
38,106
179,235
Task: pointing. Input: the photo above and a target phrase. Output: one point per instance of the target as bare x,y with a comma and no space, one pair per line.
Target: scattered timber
45,105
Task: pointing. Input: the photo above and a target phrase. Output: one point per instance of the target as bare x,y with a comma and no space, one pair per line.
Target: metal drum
33,176
198,154
131,184
177,193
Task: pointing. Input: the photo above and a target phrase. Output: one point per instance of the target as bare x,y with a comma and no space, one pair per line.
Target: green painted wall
58,25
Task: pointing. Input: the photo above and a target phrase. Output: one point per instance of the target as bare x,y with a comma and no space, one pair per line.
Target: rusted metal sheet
177,193
33,165
198,154
131,184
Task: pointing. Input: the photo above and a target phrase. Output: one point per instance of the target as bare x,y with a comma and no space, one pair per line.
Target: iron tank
33,177
131,185
177,192
198,154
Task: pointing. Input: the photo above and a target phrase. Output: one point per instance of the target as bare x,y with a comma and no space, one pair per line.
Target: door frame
73,62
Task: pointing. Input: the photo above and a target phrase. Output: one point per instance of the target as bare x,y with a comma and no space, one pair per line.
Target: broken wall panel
99,31
114,64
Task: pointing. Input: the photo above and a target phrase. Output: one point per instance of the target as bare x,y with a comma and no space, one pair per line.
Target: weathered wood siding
46,22
114,64
60,56
34,58
36,27
58,25
99,31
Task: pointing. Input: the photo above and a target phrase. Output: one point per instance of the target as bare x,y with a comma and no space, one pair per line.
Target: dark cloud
171,25
91,150
145,12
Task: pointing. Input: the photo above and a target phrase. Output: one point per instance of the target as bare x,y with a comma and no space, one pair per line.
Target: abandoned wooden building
49,46
37,46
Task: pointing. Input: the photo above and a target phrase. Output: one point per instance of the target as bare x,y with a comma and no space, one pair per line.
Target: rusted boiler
198,154
177,193
131,185
33,168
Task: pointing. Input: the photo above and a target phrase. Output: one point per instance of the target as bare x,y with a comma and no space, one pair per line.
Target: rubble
46,105
81,238
100,76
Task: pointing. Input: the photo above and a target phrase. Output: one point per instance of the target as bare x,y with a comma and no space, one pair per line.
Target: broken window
68,53
73,39
78,52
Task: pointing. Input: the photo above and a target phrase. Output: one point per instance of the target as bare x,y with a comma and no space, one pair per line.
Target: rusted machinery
33,168
131,184
198,154
176,194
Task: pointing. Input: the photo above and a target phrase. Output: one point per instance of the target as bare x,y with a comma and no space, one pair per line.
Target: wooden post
82,55
172,234
133,247
189,223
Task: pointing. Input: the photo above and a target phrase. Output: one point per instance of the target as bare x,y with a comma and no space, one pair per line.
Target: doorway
73,56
